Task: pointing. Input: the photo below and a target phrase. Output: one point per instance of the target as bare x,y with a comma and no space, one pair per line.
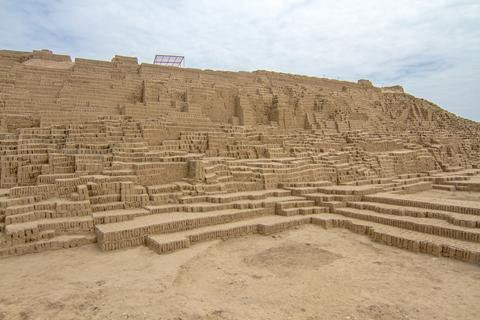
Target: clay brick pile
127,154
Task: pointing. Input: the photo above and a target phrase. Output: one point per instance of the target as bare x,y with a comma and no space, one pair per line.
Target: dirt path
308,273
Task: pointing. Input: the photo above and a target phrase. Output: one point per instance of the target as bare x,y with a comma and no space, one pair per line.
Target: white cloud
430,47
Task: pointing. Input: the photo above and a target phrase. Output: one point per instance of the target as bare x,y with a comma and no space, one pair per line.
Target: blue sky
431,47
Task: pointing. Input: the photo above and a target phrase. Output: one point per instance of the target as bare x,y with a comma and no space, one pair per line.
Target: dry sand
309,273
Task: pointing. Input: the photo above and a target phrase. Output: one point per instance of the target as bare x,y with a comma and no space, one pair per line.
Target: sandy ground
309,273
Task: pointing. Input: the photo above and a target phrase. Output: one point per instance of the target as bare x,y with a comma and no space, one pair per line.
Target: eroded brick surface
127,154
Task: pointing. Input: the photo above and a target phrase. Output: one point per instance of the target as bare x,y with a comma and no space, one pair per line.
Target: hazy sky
431,47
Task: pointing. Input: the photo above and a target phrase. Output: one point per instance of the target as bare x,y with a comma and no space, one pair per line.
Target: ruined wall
87,116
51,89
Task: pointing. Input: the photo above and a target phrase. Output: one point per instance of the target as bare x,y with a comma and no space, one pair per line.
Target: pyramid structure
124,154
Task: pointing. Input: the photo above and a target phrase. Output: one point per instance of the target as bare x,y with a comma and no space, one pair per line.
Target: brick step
459,219
125,159
294,204
351,190
381,181
162,188
443,187
308,184
166,243
67,225
59,225
19,209
104,198
299,191
59,242
132,233
108,206
320,198
167,208
458,206
247,195
414,187
425,225
116,173
112,216
332,204
40,214
193,206
165,197
302,211
268,202
404,239
207,207
412,175
13,239
406,181
225,178
20,218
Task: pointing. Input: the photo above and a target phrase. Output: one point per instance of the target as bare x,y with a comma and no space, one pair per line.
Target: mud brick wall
98,188
66,186
160,173
44,191
74,208
8,171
